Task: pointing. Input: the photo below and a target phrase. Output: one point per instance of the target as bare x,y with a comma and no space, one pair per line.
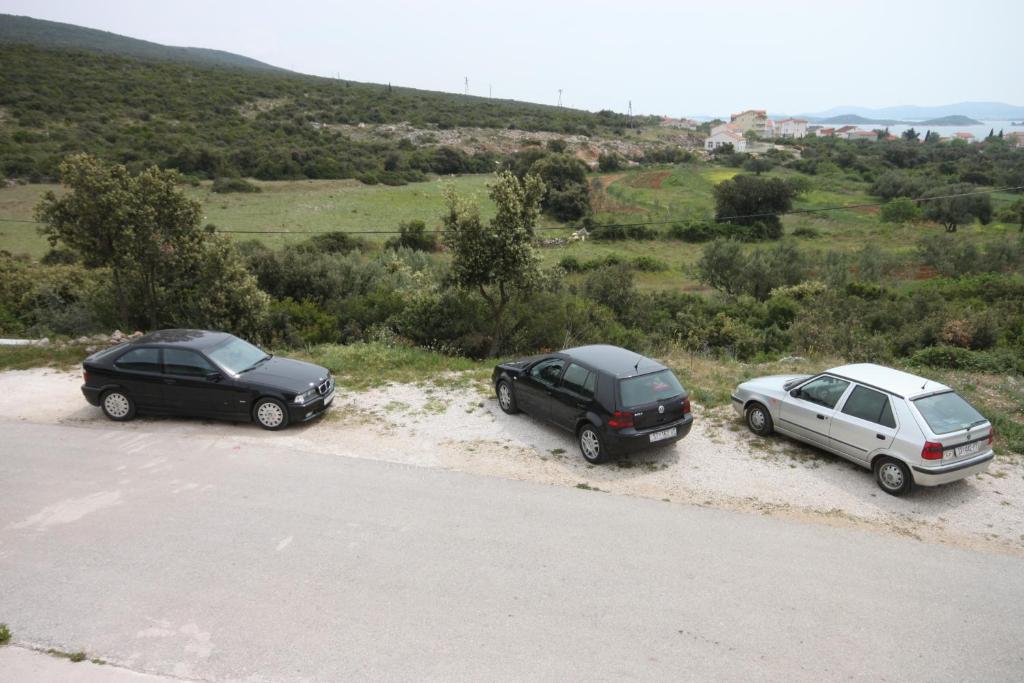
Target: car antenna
636,368
924,385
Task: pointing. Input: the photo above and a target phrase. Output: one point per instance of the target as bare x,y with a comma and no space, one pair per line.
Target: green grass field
288,210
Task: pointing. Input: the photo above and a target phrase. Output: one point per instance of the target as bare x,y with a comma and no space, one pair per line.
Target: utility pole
467,85
559,97
630,124
490,92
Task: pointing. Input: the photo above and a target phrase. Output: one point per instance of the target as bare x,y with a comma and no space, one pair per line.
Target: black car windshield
656,386
947,412
237,356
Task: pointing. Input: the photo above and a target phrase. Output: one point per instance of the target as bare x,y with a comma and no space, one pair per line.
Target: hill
864,121
64,89
986,111
18,30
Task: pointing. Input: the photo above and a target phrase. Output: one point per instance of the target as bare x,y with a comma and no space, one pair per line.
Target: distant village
749,131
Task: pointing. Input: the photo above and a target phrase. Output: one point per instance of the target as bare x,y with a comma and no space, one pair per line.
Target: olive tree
165,269
956,205
496,259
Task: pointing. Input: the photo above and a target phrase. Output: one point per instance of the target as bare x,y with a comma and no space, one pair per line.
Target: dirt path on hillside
720,464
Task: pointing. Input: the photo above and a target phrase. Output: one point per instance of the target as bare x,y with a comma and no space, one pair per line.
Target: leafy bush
806,232
413,235
609,162
956,358
900,210
615,232
224,185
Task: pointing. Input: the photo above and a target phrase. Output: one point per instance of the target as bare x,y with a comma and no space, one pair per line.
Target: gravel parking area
720,464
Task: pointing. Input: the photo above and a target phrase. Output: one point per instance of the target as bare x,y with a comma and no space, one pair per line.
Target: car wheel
893,476
759,420
117,405
592,445
506,399
270,414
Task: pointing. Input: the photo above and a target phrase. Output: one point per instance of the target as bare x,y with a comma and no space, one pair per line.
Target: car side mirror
214,376
794,393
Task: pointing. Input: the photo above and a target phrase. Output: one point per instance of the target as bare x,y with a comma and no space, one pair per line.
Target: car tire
759,419
893,476
506,397
270,413
592,445
117,405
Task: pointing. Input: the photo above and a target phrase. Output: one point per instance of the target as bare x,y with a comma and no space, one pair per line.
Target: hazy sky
677,58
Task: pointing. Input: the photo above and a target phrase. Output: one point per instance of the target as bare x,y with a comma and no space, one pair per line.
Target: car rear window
947,412
656,386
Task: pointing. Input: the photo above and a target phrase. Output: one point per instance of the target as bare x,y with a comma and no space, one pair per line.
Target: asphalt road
201,558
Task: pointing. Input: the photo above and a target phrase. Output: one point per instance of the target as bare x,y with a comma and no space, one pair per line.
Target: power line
842,207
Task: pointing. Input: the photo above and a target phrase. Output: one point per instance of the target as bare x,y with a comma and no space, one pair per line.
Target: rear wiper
976,423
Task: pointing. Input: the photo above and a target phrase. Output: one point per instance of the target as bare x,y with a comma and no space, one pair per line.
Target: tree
567,195
758,165
496,260
165,268
753,201
910,134
900,210
609,162
750,135
956,205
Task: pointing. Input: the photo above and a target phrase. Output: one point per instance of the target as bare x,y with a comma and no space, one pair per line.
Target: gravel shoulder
720,464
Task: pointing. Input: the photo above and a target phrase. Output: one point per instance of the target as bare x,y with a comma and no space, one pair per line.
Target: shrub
956,358
291,323
609,162
413,235
331,243
225,185
807,232
5,634
570,264
649,264
900,210
615,232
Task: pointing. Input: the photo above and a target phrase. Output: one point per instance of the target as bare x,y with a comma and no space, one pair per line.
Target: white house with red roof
726,134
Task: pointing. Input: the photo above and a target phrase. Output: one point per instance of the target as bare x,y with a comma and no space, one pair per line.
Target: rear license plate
663,434
327,401
960,451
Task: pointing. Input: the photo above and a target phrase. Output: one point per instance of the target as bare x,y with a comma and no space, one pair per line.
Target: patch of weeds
97,660
434,406
76,657
625,464
586,487
557,451
5,634
997,475
396,406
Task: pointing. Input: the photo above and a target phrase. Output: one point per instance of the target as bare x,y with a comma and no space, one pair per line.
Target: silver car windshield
947,412
237,356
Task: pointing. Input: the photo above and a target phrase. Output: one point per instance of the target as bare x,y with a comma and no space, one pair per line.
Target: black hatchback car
205,374
614,400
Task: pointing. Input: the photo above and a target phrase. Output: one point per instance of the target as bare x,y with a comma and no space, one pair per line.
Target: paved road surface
203,559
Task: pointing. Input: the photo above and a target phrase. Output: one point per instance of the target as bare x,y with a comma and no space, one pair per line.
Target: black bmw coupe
205,374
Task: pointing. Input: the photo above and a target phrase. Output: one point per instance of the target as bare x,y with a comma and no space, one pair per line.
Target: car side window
579,380
870,405
186,363
547,371
825,391
139,360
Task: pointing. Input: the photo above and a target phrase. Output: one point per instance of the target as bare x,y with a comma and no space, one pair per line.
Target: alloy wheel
590,444
270,414
504,396
116,404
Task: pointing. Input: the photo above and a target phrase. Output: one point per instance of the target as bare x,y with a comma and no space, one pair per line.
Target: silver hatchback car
906,429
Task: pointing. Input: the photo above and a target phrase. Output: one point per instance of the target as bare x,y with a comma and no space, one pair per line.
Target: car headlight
303,398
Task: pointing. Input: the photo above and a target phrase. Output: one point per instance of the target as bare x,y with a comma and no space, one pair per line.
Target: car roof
614,360
888,379
193,339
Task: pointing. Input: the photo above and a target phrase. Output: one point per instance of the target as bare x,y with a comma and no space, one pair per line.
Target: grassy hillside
209,120
52,34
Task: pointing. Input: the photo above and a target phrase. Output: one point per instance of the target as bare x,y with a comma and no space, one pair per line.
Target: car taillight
932,451
620,419
686,406
991,436
85,376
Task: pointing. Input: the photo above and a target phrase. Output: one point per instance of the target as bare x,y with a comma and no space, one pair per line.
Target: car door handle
581,405
821,417
880,437
169,381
